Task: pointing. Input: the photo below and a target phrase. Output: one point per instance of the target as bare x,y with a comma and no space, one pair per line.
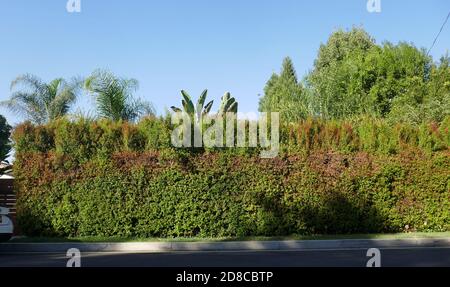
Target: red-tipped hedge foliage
118,179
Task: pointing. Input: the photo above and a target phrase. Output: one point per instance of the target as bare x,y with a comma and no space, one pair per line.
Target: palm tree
114,97
41,102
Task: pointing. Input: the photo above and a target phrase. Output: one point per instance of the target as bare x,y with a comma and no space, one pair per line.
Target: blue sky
231,45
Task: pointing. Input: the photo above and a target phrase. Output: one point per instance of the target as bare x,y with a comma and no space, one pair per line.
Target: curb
298,245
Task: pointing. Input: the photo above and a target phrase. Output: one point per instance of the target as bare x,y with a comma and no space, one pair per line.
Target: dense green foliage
41,102
284,94
119,179
364,147
354,76
339,88
5,145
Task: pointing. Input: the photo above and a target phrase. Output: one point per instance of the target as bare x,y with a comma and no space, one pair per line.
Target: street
392,257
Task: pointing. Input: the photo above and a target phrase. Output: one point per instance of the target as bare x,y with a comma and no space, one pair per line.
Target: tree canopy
41,102
5,145
284,94
354,76
114,97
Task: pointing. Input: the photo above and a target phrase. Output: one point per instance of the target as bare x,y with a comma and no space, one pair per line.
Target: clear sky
227,45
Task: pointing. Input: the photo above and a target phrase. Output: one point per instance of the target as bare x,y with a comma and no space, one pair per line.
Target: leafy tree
400,73
114,97
266,101
353,76
41,102
337,81
425,100
437,102
284,94
5,146
342,44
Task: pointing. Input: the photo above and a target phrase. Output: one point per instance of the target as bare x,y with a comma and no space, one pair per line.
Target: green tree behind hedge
284,94
5,146
352,75
425,99
337,79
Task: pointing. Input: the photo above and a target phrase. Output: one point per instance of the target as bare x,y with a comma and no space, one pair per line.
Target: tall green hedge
117,179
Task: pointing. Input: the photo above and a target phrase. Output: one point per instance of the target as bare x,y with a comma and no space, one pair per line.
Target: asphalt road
407,257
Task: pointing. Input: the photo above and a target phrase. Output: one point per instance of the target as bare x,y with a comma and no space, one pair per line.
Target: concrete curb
225,246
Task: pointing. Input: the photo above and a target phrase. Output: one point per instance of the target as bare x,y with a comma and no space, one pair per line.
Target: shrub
217,195
108,178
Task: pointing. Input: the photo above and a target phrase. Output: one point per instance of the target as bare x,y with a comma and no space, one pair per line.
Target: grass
225,239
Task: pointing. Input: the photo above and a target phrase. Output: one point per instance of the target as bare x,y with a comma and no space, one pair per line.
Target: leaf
223,102
187,103
175,109
233,108
228,104
201,102
208,108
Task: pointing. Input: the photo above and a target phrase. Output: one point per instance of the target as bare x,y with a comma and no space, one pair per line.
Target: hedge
102,178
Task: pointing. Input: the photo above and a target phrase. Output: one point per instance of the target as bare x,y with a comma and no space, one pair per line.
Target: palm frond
29,81
38,101
114,96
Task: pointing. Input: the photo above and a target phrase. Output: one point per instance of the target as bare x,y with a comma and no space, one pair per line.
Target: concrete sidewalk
226,246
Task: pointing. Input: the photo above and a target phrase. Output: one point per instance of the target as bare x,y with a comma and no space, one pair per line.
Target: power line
437,36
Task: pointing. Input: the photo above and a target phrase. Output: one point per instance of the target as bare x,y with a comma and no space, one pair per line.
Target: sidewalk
298,245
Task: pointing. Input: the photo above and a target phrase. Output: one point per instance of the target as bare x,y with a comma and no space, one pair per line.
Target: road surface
395,257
